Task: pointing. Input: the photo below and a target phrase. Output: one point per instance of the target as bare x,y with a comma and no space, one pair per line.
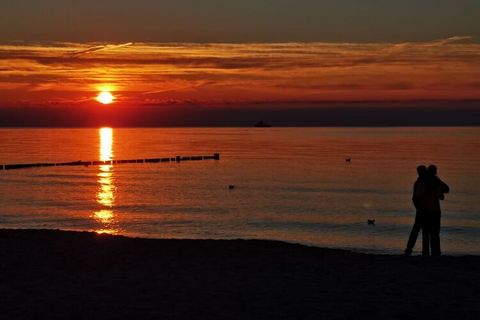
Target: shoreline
80,275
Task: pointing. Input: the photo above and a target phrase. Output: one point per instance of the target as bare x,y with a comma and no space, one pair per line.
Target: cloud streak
228,73
101,48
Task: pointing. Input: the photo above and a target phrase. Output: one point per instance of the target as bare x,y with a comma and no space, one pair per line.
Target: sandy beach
72,275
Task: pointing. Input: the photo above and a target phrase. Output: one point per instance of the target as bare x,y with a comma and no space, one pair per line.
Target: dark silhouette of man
434,192
419,190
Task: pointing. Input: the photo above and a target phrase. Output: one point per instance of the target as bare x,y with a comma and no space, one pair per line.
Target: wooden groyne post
215,156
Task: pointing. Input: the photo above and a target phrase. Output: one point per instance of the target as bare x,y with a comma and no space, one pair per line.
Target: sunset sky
237,53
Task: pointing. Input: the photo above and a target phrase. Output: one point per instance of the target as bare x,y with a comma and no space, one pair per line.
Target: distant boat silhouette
262,124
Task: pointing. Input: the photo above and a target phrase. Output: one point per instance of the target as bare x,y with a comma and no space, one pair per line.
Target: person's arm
416,194
443,186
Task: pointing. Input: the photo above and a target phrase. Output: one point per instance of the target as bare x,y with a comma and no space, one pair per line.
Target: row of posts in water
215,156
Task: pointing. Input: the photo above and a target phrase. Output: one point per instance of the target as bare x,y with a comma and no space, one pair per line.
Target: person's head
432,170
422,171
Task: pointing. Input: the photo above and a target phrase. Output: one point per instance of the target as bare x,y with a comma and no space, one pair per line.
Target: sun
105,97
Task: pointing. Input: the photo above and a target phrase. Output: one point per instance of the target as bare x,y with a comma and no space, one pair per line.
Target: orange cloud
146,73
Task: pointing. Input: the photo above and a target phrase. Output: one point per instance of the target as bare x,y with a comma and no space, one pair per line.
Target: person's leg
412,239
425,241
435,234
426,230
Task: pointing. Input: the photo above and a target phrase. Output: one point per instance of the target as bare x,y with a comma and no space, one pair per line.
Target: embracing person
428,190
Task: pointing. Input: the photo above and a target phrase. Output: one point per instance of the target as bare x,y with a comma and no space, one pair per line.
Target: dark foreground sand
68,275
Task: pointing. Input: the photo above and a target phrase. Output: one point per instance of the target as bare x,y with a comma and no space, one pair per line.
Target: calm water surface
292,184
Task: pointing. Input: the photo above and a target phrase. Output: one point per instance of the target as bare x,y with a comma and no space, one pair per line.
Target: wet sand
71,275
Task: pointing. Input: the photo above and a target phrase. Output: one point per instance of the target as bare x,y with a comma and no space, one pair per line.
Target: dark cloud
188,113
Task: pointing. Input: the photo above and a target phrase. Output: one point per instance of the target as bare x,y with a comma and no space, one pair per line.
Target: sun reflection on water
106,189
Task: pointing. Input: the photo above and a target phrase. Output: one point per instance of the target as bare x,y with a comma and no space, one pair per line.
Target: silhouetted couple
428,190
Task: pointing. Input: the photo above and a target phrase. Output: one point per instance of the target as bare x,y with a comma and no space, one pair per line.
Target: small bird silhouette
349,160
231,187
371,222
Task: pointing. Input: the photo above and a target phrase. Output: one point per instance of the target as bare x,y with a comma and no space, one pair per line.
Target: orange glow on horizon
165,74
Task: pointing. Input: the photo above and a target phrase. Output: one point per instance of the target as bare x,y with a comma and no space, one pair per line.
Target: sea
289,184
